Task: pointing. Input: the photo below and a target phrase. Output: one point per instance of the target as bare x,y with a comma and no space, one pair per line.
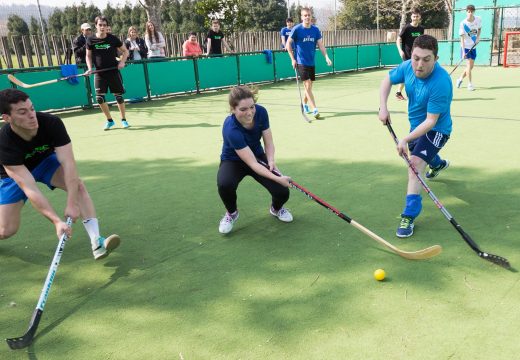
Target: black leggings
231,173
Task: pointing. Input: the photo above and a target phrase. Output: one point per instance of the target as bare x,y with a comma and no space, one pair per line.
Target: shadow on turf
171,246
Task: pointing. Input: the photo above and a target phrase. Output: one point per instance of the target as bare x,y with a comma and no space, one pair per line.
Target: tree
224,10
34,27
262,15
153,11
362,14
17,26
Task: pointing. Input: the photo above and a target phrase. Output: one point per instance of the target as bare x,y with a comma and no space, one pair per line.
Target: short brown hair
427,42
239,93
470,8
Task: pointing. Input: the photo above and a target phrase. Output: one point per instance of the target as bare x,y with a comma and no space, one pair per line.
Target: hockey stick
26,339
305,117
499,260
412,255
17,82
463,58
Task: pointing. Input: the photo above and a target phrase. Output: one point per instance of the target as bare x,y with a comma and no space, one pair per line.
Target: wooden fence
29,51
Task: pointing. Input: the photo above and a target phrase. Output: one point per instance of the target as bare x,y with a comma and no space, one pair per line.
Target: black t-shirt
216,41
408,36
16,151
104,51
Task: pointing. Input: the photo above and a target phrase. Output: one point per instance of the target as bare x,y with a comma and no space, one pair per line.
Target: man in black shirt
405,42
35,147
80,44
215,39
102,49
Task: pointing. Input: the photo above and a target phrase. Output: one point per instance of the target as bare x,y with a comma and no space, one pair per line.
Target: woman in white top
154,41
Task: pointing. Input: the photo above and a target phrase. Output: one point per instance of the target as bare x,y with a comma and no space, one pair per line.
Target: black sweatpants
231,173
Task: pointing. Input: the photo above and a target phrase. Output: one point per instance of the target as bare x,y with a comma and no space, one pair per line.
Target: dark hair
151,35
101,18
193,33
10,96
427,42
289,20
215,21
470,8
239,93
416,10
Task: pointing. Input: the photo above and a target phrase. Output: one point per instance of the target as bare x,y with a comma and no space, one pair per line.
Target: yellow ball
379,274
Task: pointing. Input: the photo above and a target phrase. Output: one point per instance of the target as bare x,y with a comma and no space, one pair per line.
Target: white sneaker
105,246
459,82
470,87
283,214
227,222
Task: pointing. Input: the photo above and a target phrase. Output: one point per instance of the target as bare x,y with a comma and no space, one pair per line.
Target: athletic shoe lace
405,223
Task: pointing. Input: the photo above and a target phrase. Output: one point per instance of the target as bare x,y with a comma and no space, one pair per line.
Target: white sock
92,227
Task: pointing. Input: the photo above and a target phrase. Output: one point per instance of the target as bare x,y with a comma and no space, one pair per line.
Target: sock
92,227
110,120
123,119
413,205
436,162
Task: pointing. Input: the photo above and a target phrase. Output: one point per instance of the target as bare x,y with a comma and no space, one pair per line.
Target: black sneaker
405,228
399,96
433,172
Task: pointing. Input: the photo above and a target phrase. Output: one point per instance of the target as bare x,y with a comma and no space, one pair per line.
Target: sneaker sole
112,242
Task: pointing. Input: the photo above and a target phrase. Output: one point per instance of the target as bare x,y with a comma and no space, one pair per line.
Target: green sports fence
147,79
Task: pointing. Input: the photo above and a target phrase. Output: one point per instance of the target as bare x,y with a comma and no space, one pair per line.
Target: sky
102,3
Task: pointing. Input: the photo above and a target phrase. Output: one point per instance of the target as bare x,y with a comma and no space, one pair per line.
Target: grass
177,289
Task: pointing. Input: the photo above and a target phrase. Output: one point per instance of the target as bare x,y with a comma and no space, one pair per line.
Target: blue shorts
11,193
428,145
470,54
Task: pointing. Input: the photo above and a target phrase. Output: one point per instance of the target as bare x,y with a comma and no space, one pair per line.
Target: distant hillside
24,11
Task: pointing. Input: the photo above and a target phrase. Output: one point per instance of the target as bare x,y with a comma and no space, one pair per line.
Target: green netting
255,68
390,55
321,64
53,96
283,64
487,22
368,56
345,58
4,82
171,76
445,52
217,72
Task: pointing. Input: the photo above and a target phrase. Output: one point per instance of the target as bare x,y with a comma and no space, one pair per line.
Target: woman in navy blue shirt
242,131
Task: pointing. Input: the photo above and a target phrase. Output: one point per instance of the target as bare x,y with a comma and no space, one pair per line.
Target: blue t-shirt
285,32
305,40
431,95
237,137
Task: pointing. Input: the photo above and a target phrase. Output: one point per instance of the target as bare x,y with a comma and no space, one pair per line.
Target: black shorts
428,145
306,72
109,80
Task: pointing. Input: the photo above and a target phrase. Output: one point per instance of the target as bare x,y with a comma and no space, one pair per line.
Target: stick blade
16,81
495,259
305,117
27,338
423,254
20,342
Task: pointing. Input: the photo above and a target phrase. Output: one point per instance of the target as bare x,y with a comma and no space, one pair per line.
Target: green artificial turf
177,289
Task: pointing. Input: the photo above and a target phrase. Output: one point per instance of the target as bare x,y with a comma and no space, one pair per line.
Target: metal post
288,9
44,36
377,15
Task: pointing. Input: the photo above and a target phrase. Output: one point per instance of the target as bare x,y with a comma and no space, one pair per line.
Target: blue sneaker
125,124
306,108
405,228
109,124
433,172
105,246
